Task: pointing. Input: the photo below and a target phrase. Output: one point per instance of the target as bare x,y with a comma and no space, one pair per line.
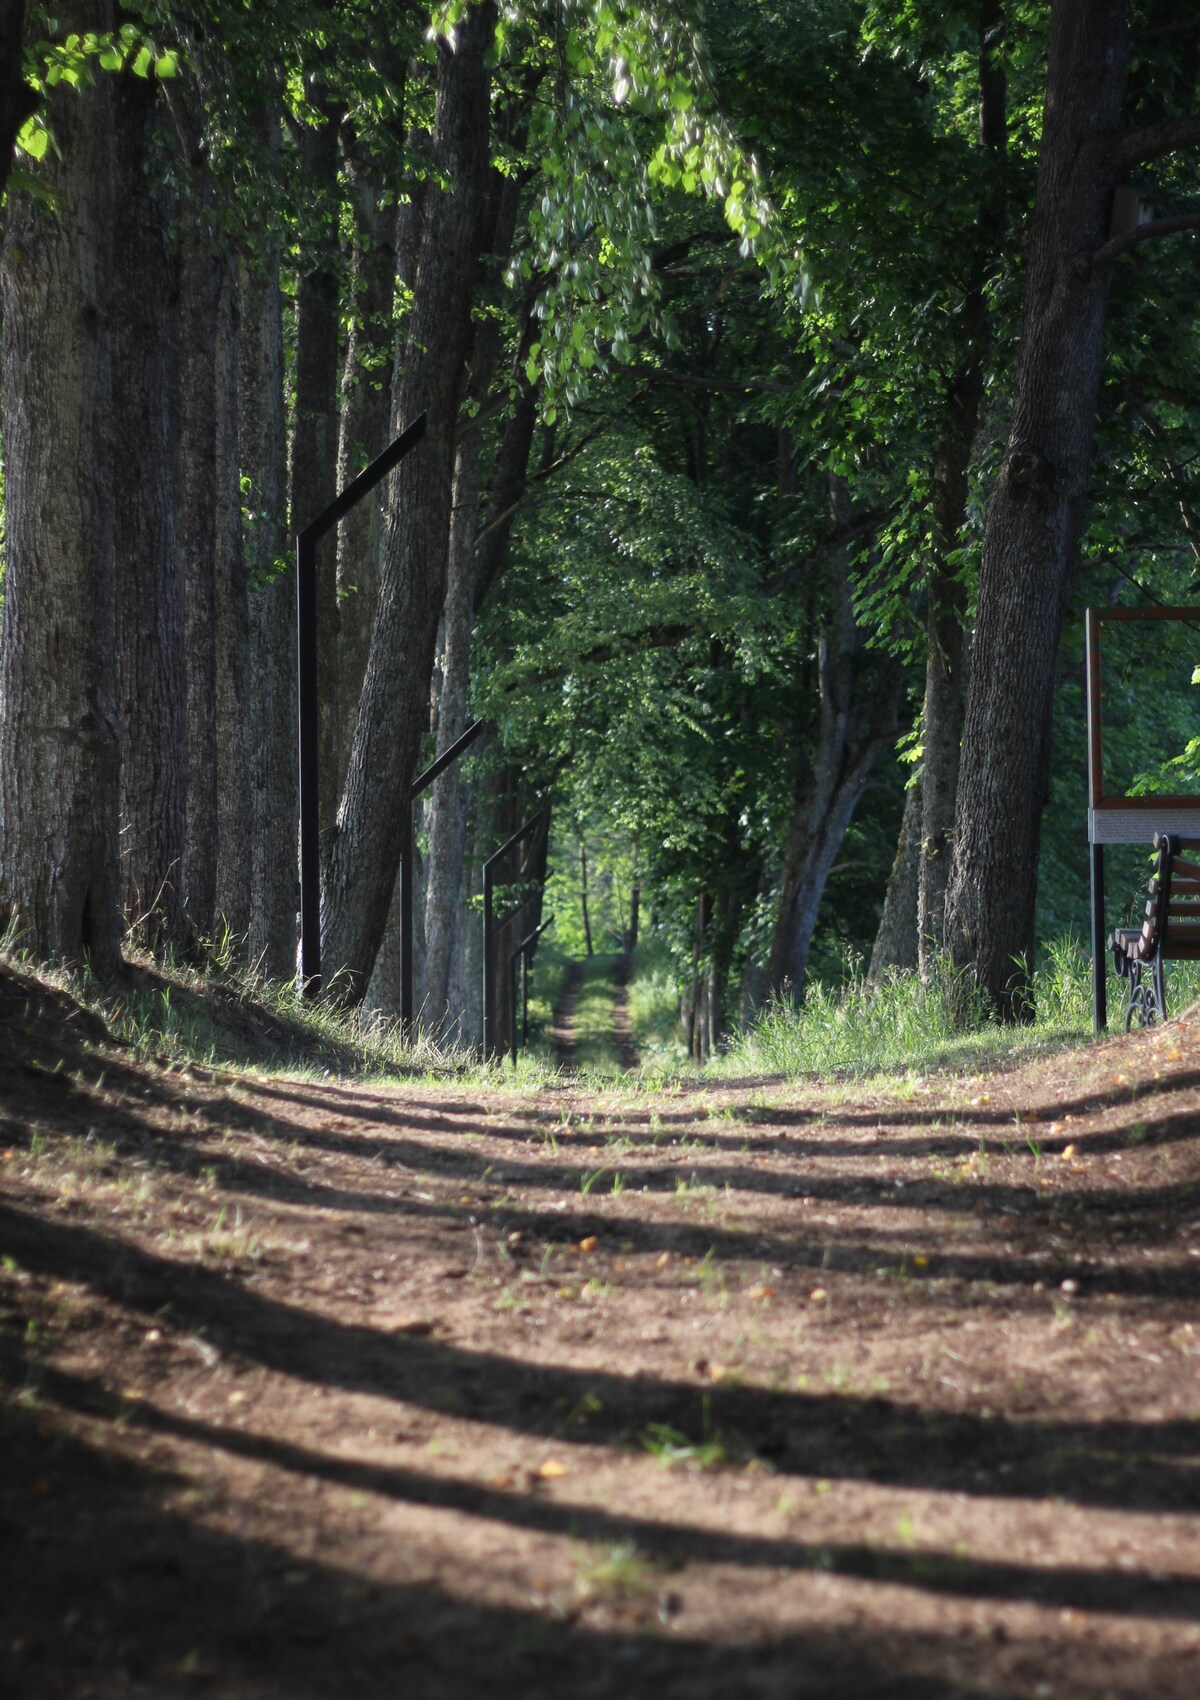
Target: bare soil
315,1388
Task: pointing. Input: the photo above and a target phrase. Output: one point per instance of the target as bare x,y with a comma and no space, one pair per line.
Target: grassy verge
229,1017
902,1025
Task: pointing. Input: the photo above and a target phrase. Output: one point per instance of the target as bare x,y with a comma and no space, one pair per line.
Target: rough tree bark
313,471
896,941
360,866
447,803
946,612
217,794
59,740
365,417
859,703
1037,511
274,894
232,627
149,561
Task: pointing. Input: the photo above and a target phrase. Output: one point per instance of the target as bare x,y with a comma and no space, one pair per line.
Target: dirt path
759,1390
562,1029
623,1040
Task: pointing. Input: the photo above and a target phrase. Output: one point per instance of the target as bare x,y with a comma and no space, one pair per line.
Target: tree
59,738
361,862
1039,503
147,542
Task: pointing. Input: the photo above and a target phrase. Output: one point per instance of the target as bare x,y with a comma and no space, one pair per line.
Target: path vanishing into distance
449,1388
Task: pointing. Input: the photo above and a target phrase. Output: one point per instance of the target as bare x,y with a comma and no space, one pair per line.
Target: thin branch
537,478
1140,146
1142,233
1190,525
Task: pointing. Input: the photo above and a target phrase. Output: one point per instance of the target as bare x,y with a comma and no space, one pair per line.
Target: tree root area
751,1389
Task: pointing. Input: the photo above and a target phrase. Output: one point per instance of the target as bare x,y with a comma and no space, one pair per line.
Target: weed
711,1451
614,1568
588,1180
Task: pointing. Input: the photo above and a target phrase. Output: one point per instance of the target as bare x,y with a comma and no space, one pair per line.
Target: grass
224,1015
229,1016
903,1026
654,1012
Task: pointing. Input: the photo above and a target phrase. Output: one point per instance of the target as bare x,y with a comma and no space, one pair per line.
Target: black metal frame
491,926
307,705
525,951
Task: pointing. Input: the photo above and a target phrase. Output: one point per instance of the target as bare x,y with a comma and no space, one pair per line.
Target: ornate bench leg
1147,997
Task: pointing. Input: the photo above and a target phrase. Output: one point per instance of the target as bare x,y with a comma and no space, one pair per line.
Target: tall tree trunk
360,868
447,811
895,944
59,739
947,655
199,305
858,710
1037,512
365,417
274,800
315,422
151,677
447,803
583,898
232,625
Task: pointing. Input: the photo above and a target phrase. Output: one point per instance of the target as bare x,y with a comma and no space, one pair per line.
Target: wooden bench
1170,932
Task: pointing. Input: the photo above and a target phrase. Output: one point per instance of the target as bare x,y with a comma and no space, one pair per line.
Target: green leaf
33,138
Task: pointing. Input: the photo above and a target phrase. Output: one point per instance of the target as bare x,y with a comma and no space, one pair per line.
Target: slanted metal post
523,951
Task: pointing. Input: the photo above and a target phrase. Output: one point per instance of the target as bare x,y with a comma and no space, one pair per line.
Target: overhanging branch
1140,146
1142,233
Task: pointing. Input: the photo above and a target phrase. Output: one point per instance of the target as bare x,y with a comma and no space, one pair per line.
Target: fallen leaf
761,1291
818,1296
588,1244
920,1261
1069,1151
551,1470
661,1261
